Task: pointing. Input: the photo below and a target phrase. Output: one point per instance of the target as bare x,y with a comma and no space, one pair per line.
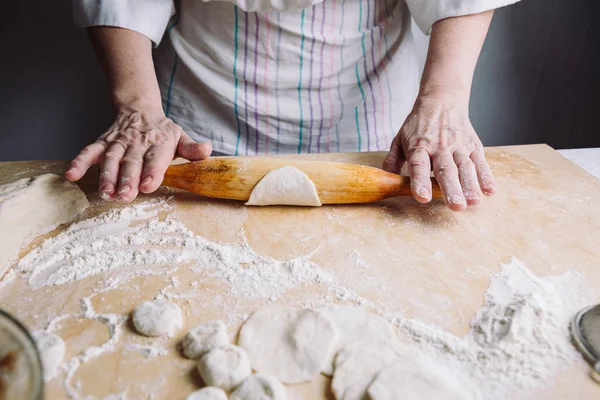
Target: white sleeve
428,12
148,17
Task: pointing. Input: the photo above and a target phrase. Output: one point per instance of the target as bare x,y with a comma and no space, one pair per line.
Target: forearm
126,58
454,47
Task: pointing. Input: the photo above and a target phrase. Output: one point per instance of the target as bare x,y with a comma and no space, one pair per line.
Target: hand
437,133
138,147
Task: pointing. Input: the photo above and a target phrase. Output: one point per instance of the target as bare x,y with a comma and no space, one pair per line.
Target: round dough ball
355,325
224,367
356,365
260,387
289,343
157,318
52,352
420,378
203,338
208,393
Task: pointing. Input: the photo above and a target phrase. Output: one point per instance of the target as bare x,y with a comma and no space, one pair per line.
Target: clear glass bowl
20,367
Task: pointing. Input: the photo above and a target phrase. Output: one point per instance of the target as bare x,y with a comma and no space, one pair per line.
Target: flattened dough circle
284,186
289,343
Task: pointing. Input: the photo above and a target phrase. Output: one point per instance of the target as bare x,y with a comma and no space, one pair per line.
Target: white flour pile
110,242
519,339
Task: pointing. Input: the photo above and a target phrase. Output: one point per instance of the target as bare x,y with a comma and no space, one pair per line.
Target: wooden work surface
415,260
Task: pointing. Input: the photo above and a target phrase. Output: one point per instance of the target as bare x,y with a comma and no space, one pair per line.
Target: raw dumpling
286,186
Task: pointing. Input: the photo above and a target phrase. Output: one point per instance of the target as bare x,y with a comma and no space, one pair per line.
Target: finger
419,166
130,172
156,161
446,173
192,150
395,157
109,172
88,156
484,174
468,178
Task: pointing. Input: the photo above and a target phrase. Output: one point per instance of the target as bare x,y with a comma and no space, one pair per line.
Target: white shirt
284,76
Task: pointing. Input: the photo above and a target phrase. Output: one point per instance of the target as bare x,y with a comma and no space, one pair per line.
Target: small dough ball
224,367
260,387
204,338
52,352
157,318
208,393
289,343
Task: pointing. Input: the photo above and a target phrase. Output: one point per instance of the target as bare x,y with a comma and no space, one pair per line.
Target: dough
33,206
355,325
157,318
289,343
225,367
52,352
260,387
286,185
203,338
419,378
208,393
357,364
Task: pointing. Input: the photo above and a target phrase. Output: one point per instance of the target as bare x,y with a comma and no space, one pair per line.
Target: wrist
445,94
138,104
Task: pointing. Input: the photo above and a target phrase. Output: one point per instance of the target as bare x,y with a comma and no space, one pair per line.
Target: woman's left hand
438,135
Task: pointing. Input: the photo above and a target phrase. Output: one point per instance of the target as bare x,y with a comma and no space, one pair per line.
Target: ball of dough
356,365
208,393
260,387
203,338
289,343
355,325
224,367
52,352
157,318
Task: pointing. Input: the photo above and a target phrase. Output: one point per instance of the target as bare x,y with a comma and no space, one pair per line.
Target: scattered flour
150,350
130,240
519,339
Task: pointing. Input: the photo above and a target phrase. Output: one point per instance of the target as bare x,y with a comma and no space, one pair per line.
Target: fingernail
106,192
146,181
423,192
124,189
456,199
70,171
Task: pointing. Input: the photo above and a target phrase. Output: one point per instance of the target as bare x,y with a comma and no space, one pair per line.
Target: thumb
395,157
191,150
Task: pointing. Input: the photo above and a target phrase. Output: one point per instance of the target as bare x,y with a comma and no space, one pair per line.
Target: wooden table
415,260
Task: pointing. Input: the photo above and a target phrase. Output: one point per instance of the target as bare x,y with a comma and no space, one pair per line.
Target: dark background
537,80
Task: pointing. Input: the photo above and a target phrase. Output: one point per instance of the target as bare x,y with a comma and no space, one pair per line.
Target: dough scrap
157,318
289,343
31,207
52,351
355,325
260,387
208,393
357,364
419,378
224,367
203,338
284,186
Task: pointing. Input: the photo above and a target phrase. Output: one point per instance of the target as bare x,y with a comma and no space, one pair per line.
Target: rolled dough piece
33,206
260,387
357,364
355,325
157,318
208,393
289,343
225,367
420,378
52,352
286,186
203,338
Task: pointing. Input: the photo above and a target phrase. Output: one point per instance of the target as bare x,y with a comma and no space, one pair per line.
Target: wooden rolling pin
336,183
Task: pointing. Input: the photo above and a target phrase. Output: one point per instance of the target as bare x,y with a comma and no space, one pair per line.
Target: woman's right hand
135,152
